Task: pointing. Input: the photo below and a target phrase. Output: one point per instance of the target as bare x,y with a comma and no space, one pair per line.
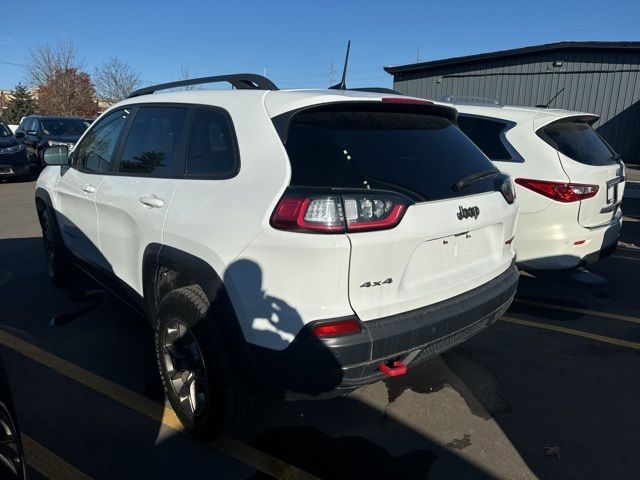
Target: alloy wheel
184,366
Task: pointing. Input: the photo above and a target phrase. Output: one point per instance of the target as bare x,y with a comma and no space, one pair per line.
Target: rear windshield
63,126
389,147
578,141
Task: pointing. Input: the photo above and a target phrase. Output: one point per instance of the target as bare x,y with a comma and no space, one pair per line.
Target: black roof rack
241,81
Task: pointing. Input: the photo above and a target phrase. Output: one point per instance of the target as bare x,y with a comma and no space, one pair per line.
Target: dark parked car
13,155
12,463
37,132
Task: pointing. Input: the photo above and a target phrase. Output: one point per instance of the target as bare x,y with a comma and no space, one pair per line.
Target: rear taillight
505,186
559,191
336,329
338,213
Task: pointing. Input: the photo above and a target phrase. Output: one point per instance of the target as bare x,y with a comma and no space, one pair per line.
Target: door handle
88,188
152,201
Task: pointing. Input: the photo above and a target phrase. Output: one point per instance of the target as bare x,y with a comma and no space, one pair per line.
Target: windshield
5,131
63,126
390,147
578,141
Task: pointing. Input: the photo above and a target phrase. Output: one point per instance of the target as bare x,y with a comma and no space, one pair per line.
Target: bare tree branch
114,80
46,60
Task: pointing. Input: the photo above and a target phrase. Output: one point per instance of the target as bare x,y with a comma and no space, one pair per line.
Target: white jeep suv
569,181
291,243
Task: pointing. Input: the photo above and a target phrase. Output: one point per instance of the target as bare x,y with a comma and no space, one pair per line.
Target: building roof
548,47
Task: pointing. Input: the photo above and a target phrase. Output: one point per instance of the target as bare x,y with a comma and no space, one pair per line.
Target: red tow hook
395,370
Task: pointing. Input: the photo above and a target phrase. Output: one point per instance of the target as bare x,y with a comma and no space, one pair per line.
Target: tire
191,350
58,268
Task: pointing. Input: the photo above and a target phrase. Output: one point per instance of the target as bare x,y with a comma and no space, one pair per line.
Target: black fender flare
42,195
194,270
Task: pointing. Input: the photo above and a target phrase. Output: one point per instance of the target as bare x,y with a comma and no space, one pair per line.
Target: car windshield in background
5,131
578,141
63,126
389,147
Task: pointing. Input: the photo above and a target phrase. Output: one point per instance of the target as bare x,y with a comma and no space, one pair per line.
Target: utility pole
332,74
418,55
264,70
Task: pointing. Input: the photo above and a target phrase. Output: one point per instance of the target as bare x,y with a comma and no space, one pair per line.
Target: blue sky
296,42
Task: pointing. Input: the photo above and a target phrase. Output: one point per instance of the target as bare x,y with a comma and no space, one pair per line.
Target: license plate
612,191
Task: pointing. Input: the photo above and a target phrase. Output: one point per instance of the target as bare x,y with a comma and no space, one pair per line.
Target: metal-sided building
596,77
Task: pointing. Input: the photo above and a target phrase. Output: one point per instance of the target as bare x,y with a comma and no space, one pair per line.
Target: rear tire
58,268
206,391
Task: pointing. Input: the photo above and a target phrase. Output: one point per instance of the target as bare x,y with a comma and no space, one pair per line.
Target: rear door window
578,141
403,148
488,135
155,142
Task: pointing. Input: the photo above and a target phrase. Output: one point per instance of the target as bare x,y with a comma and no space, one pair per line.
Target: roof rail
241,81
471,100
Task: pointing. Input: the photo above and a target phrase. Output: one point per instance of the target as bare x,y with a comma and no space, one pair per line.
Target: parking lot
550,391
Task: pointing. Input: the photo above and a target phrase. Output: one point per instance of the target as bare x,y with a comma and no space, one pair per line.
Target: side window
96,152
155,141
211,145
29,124
487,135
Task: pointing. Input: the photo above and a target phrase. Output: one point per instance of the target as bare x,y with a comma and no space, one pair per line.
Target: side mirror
57,155
31,132
19,134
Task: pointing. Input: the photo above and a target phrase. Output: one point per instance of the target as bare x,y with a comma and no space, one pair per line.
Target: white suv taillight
338,213
560,191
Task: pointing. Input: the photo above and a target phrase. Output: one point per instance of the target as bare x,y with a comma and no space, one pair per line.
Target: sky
296,42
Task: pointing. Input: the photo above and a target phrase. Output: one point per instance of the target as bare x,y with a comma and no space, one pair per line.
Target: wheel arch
167,268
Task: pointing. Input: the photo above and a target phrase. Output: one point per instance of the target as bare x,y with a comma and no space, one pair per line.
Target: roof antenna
552,99
343,85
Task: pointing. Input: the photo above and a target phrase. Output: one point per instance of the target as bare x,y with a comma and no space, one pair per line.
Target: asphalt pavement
550,391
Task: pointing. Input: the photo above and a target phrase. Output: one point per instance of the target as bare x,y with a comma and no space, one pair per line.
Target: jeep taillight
372,212
560,191
336,328
338,213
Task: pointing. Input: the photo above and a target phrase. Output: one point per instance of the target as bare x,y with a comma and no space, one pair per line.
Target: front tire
204,388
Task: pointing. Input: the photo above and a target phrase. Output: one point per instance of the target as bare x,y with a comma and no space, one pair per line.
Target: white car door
133,202
79,182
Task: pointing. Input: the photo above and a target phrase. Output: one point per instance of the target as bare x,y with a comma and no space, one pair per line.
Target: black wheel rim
184,366
49,250
11,458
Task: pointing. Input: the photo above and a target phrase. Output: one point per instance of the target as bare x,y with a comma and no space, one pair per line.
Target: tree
46,60
21,104
115,80
68,92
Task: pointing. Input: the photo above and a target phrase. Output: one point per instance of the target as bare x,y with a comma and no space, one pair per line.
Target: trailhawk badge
468,212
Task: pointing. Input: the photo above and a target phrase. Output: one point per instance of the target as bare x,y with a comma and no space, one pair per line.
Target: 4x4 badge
468,212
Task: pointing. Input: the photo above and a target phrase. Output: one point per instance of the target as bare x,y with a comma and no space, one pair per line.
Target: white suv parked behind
569,181
300,243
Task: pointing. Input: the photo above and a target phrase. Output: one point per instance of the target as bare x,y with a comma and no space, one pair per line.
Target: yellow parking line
47,463
571,331
234,448
613,316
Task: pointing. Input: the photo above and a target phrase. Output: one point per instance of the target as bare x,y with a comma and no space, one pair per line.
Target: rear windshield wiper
473,178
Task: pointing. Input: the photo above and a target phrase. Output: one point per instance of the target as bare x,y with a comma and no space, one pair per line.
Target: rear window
578,141
488,135
402,148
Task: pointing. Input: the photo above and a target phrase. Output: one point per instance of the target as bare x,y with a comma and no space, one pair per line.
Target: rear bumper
313,368
542,249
